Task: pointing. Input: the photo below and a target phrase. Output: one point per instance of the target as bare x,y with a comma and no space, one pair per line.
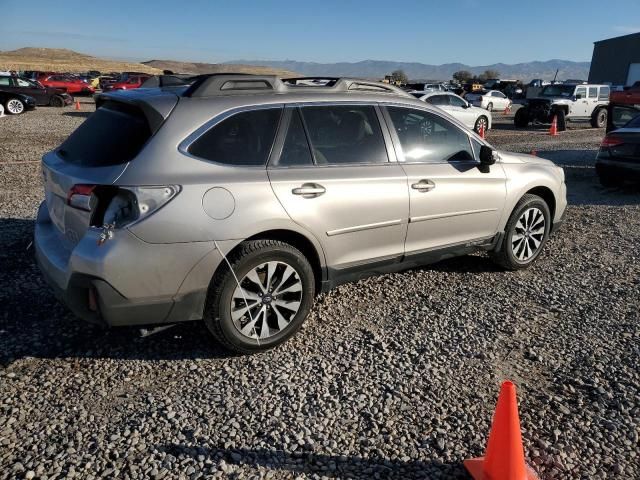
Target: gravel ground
392,377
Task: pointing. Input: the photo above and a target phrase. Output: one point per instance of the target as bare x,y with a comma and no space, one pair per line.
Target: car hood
510,157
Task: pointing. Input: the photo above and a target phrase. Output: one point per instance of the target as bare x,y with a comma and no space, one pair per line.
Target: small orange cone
553,131
77,105
507,110
481,132
504,457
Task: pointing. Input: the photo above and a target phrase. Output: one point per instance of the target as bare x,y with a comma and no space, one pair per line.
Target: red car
69,85
133,81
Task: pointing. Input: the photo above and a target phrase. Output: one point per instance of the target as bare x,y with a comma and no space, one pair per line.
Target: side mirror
578,97
466,105
486,158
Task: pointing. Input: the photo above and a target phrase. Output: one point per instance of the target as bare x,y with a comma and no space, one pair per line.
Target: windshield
558,91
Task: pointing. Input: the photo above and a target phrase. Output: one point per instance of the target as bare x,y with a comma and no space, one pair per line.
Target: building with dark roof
616,60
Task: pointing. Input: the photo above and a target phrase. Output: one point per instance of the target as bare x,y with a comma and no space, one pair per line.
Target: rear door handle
423,185
309,190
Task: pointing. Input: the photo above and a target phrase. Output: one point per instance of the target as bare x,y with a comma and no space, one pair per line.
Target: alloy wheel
266,300
528,234
15,106
482,124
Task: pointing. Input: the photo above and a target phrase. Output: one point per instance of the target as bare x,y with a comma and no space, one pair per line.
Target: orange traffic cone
77,105
553,131
504,457
507,110
481,132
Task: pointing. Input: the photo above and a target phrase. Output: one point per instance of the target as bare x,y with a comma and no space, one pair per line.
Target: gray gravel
392,377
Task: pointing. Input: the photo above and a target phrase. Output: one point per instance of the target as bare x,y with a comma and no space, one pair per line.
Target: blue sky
436,32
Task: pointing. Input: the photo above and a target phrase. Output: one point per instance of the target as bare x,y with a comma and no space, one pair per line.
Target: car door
334,172
451,202
580,107
33,90
461,110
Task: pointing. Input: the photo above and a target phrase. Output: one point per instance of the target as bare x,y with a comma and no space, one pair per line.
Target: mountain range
377,69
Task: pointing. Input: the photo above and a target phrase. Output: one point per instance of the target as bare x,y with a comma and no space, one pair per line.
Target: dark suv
43,95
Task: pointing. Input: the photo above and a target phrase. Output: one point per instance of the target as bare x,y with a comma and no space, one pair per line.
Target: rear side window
593,92
295,151
426,137
244,139
114,134
604,94
344,134
438,100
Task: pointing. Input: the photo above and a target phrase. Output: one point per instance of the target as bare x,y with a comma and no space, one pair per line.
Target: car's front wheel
521,119
525,234
263,299
481,123
15,106
56,101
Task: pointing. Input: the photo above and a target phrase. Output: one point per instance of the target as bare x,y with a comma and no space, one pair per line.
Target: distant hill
195,67
63,60
377,69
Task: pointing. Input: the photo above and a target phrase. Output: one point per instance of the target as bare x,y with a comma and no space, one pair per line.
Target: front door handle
309,190
423,185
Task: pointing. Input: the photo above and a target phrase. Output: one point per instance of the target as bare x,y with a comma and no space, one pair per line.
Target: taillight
124,205
611,141
81,197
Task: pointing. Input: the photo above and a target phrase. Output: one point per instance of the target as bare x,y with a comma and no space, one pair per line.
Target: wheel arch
547,195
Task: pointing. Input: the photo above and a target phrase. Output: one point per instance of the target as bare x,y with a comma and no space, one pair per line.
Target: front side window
244,139
24,83
438,100
581,92
344,134
426,137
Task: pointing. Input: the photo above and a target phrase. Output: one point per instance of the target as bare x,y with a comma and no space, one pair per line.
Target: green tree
462,76
399,76
487,74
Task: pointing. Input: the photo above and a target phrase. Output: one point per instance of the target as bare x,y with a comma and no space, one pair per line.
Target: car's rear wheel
481,122
521,119
263,300
490,107
525,234
599,118
15,106
56,101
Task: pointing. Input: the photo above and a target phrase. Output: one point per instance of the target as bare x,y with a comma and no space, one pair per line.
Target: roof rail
233,84
243,83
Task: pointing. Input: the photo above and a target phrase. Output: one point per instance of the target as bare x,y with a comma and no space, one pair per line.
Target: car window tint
295,151
438,100
93,145
426,137
457,101
582,91
593,92
344,134
242,139
604,94
5,81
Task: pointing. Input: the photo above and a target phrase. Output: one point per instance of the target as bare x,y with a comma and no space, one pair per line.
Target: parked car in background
472,117
132,82
618,159
566,102
624,105
65,83
16,103
489,100
216,202
42,95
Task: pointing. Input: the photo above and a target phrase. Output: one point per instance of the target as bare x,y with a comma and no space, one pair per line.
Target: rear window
113,135
635,122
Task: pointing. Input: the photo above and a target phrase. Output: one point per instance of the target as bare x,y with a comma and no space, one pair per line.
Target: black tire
562,120
479,122
599,118
521,118
248,256
506,256
14,106
607,180
56,101
489,107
